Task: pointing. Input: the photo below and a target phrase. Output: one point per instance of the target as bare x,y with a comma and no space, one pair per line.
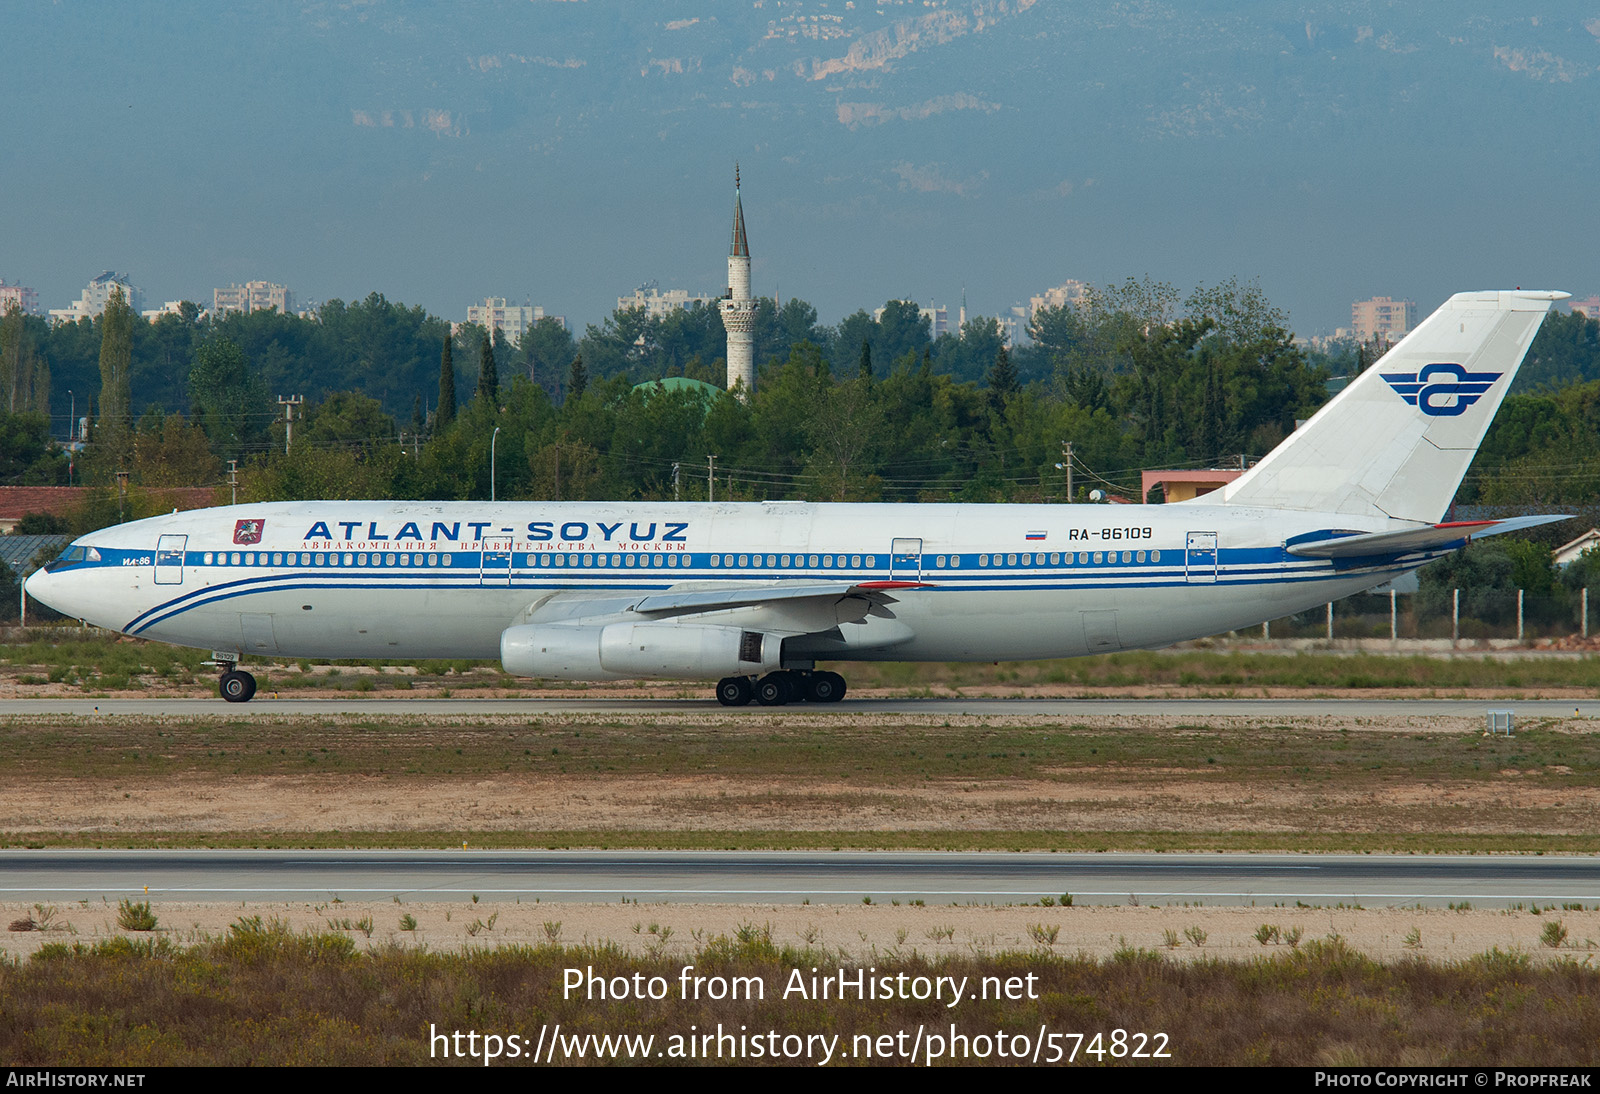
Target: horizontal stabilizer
1340,543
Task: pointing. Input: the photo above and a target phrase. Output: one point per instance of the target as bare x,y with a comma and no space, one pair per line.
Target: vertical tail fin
1397,441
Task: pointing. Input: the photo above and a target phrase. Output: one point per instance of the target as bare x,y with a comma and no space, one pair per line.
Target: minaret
738,310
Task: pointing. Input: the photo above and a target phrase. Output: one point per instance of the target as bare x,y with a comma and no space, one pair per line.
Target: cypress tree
116,355
577,378
488,374
447,388
1002,380
866,360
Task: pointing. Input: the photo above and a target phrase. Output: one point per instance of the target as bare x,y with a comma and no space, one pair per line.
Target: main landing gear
777,688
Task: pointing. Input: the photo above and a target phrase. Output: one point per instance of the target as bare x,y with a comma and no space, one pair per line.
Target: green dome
679,383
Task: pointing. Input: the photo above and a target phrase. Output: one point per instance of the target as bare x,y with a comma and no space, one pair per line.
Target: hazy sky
564,152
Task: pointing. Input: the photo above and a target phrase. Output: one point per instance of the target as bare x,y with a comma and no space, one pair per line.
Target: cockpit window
75,552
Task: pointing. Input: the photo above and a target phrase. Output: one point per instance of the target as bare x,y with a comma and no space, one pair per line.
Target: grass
885,751
262,995
94,661
1018,840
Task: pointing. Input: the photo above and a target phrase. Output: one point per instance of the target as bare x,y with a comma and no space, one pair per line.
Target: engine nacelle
664,650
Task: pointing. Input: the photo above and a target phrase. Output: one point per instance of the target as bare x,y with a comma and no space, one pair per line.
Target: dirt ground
858,932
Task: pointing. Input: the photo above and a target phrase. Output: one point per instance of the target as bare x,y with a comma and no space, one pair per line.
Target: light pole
72,418
492,440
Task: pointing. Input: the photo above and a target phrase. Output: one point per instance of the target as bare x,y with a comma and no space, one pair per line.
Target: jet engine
602,652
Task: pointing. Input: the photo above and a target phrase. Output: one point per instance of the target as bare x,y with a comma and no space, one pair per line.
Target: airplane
756,594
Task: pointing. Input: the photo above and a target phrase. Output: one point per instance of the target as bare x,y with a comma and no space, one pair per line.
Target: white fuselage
367,579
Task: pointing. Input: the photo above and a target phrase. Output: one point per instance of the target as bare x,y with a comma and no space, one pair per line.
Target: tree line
1135,376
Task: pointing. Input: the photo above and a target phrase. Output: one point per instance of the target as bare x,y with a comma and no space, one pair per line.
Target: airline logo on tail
1443,389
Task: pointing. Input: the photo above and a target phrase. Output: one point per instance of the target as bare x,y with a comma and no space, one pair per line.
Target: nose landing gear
235,685
778,688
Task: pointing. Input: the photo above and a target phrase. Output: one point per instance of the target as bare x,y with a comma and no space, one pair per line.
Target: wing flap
744,596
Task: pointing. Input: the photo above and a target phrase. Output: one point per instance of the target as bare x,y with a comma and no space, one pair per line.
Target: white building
95,298
1068,292
252,296
171,307
511,320
936,315
658,304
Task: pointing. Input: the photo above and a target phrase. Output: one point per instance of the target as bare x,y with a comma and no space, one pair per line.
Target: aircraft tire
734,691
237,686
799,686
826,687
774,689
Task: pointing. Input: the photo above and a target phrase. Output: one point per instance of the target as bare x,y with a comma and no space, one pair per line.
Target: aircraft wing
785,608
1346,543
675,603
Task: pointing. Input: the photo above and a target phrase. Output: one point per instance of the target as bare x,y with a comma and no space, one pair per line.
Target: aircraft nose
42,586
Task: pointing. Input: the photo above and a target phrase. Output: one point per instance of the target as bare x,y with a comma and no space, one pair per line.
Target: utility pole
1066,465
289,403
711,478
492,440
674,481
233,480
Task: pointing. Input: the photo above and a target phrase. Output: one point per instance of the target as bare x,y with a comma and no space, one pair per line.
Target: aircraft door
169,559
1200,558
495,568
905,560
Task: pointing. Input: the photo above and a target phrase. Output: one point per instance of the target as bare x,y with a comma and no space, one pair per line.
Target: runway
266,707
1485,881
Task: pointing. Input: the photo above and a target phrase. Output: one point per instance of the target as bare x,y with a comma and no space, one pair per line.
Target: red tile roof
17,502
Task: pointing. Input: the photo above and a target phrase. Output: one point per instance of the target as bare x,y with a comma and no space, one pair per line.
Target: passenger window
1155,556
1011,560
1097,558
983,560
208,558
